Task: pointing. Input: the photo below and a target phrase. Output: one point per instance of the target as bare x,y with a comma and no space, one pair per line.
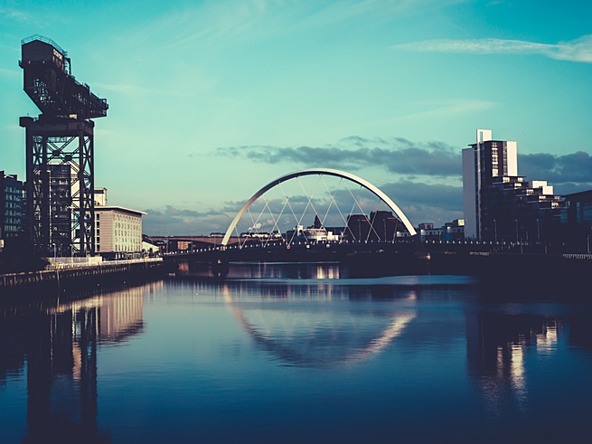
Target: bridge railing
491,246
62,265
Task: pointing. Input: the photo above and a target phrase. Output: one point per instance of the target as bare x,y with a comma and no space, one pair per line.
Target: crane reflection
57,347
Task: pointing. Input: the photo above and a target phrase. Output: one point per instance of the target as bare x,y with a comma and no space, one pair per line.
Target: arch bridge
319,229
350,217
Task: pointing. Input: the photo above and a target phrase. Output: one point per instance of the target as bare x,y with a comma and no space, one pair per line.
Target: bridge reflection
320,338
301,318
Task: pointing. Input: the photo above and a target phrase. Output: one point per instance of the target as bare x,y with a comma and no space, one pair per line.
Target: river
296,353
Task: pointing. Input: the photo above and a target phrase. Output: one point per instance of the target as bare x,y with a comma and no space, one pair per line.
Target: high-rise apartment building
499,204
484,161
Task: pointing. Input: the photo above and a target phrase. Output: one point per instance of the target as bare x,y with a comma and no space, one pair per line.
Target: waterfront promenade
81,275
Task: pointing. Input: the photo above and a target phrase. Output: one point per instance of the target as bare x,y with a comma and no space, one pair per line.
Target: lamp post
516,222
495,231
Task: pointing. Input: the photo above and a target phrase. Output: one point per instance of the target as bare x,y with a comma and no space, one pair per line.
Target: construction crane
59,151
49,82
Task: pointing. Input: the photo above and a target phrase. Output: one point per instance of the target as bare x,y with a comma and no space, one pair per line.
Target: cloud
568,168
129,89
401,156
213,22
449,108
10,72
578,50
11,14
408,193
396,155
424,180
179,221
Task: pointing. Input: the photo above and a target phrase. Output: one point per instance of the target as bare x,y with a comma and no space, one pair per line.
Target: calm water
297,354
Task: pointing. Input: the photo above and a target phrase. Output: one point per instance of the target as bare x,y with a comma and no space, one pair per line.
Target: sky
211,100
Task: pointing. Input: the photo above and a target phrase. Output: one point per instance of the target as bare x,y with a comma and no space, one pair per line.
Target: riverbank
63,277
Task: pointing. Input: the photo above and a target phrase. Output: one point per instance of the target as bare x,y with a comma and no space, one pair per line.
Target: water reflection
270,270
318,337
412,344
311,335
502,341
57,347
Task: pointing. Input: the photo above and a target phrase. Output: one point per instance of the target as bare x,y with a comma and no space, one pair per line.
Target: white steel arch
323,171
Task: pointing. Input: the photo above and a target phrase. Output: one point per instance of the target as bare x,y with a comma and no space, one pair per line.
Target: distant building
485,160
118,232
427,232
317,232
454,231
384,226
381,226
358,228
149,247
11,206
499,205
450,231
100,197
576,221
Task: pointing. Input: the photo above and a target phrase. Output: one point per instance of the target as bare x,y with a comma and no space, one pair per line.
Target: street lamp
516,222
495,230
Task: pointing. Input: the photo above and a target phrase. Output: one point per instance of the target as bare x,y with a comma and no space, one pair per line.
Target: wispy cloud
331,12
202,24
129,89
11,14
450,108
214,21
4,72
578,50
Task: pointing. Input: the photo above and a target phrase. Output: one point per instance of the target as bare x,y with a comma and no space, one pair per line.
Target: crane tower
59,151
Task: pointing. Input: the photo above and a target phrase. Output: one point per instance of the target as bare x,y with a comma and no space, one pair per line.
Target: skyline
208,101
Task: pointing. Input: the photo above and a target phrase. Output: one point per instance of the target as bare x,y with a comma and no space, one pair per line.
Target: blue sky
210,100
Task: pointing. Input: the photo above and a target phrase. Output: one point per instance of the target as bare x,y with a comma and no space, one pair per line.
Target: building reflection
268,270
498,344
57,347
